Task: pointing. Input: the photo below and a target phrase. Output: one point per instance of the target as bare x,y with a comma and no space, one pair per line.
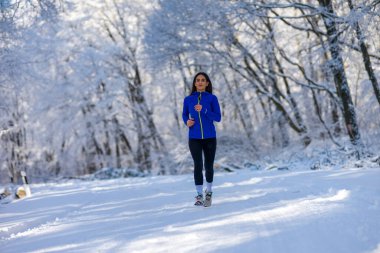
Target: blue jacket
204,120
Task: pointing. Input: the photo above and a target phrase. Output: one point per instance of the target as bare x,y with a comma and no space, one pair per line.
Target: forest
87,85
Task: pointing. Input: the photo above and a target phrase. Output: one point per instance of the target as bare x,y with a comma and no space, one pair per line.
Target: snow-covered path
253,211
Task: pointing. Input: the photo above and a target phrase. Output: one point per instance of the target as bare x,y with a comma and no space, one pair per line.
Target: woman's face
201,83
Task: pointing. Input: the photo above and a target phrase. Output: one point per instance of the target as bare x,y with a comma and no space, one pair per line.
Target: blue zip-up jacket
204,120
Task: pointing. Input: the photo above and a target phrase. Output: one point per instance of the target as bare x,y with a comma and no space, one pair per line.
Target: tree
365,54
338,70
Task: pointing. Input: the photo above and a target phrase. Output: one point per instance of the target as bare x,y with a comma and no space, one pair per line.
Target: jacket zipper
199,113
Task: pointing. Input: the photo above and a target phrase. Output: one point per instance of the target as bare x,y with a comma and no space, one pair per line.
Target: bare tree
338,70
12,110
366,57
119,30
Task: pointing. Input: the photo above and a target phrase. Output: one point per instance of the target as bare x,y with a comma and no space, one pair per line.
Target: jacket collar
197,93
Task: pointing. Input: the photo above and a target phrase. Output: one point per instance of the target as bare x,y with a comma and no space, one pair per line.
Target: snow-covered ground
252,211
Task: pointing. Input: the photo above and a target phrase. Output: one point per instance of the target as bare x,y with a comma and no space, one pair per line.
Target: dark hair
209,86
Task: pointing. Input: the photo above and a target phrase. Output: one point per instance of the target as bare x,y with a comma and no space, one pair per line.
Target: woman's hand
190,122
198,108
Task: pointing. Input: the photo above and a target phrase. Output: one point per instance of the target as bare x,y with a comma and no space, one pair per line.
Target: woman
200,110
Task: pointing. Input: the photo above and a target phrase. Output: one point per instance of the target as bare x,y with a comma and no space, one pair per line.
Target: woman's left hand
198,108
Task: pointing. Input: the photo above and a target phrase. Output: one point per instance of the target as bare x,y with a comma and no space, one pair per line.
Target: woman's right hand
190,122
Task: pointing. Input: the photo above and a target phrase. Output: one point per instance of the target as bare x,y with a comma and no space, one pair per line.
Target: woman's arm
214,112
185,112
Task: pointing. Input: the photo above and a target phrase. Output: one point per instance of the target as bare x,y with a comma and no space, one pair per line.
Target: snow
253,211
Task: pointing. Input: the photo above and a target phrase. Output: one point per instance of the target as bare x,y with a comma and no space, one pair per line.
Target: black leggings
208,146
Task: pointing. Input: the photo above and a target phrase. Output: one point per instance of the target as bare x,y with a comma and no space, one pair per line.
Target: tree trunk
157,140
335,118
242,110
297,114
366,58
147,134
338,70
143,154
273,81
326,76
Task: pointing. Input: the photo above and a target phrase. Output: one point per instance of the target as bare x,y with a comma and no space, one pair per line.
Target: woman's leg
209,149
195,146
